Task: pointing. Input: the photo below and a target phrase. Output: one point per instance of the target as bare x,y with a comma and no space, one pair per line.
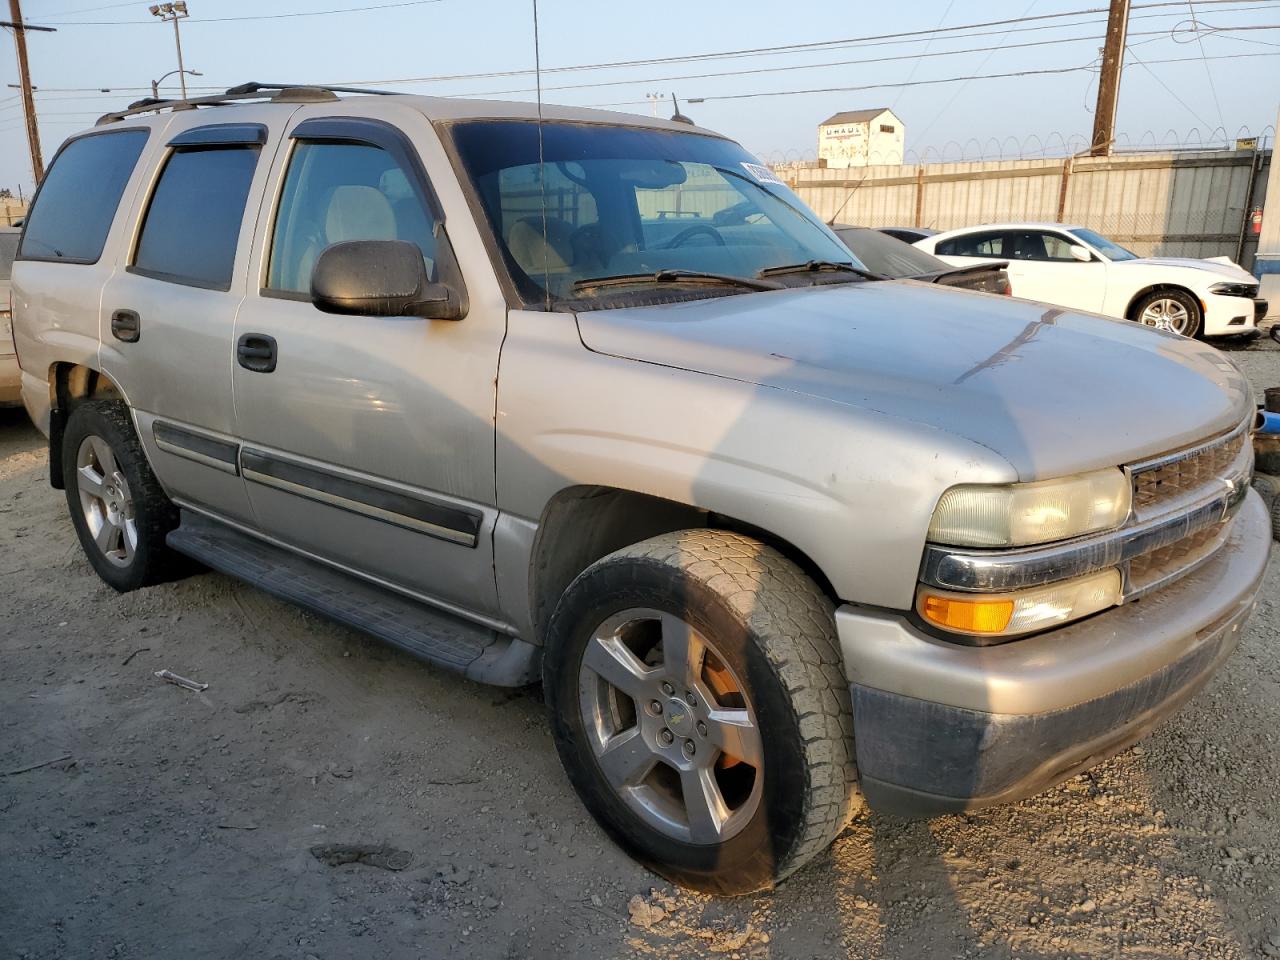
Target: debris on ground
170,677
380,855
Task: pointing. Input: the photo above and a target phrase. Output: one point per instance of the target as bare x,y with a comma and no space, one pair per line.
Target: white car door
1042,267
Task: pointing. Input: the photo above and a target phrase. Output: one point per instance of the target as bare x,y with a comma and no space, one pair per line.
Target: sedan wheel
1166,314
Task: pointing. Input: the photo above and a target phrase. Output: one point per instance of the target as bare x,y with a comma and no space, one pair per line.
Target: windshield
888,255
612,201
1109,249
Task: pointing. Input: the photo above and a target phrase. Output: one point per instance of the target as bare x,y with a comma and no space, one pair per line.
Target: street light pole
155,84
175,12
24,75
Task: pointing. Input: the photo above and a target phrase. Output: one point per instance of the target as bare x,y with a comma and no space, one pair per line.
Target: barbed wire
1053,145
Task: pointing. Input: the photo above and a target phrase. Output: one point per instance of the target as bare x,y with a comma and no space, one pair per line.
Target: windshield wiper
676,276
818,266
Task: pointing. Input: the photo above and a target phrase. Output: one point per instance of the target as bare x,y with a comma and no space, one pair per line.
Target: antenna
840,209
542,163
679,117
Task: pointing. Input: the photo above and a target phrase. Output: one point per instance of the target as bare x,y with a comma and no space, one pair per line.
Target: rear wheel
1174,310
117,506
700,708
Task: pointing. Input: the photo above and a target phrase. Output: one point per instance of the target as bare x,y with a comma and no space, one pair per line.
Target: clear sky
1237,83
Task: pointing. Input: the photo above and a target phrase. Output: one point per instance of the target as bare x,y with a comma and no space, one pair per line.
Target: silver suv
594,400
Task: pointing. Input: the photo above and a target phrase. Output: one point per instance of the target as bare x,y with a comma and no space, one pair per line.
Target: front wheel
1174,310
700,709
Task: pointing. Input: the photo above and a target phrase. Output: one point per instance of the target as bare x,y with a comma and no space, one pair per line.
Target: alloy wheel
671,727
1166,314
106,501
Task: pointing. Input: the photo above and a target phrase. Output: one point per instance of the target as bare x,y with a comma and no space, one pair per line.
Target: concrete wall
1169,204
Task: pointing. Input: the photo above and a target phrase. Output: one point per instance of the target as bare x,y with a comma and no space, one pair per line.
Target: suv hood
1051,391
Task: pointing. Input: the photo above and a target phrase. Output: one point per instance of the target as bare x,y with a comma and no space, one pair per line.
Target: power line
1195,23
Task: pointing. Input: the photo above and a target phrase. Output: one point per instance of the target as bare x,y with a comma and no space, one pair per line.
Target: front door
1042,267
367,442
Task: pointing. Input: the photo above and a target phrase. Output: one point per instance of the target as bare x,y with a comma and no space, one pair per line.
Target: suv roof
434,108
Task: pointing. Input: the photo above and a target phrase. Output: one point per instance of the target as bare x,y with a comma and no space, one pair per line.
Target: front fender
852,489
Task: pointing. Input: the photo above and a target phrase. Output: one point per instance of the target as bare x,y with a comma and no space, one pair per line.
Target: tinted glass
976,245
79,197
588,201
343,191
8,250
887,255
193,223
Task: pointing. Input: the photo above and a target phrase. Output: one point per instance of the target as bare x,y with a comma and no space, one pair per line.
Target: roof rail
275,92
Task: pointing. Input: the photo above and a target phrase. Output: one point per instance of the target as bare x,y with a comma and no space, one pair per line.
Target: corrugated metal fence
1170,204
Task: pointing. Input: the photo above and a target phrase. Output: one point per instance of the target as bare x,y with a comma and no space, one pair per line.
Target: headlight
1229,289
999,615
1019,514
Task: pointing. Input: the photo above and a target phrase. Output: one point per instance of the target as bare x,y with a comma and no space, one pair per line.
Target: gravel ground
327,797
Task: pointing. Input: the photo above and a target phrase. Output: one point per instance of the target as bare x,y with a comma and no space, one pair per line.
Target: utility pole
1104,118
24,74
175,12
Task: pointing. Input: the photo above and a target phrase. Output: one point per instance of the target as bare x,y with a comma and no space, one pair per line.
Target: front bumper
941,727
1231,315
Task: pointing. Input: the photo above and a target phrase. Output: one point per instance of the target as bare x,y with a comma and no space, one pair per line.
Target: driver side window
335,192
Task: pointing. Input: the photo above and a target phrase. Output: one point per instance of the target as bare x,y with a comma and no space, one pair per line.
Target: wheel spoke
627,759
89,482
105,538
734,733
106,459
682,651
128,539
619,667
703,804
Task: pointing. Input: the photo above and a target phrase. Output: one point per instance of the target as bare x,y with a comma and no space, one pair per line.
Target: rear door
168,317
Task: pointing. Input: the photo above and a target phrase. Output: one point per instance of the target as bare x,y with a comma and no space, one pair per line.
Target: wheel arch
1130,310
602,519
69,384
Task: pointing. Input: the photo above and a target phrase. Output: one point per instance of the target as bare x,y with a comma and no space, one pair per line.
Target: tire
770,684
122,518
1179,305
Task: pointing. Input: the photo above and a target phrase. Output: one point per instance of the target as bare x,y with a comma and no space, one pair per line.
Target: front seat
354,212
536,255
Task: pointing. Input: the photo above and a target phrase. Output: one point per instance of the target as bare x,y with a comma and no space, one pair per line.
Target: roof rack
274,92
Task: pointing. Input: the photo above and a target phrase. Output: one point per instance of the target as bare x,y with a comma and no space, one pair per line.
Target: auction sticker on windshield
762,173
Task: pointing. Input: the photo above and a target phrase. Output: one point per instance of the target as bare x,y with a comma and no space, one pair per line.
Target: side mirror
1081,253
379,278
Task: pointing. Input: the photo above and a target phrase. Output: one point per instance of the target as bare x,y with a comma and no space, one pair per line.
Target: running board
425,632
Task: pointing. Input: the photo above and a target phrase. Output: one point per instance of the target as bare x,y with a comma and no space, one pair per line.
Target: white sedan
1075,267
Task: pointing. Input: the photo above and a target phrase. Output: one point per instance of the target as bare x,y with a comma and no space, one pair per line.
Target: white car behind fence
1078,268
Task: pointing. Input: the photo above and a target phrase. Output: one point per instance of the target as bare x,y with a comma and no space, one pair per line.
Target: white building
858,138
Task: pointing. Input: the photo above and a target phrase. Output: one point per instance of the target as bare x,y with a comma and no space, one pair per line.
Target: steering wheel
693,231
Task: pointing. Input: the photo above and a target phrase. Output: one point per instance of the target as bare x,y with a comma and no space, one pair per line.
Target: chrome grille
1152,570
1188,472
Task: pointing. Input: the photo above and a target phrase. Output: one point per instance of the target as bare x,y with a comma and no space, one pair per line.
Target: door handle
256,352
126,326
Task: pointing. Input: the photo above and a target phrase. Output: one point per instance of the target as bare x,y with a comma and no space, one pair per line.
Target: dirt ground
140,820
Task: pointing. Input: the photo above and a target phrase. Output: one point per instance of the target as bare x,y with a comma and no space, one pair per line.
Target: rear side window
974,245
79,196
192,225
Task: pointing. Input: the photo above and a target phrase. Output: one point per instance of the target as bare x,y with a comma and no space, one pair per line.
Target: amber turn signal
968,616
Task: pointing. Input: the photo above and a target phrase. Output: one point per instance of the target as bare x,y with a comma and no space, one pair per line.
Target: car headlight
1229,289
1020,514
1002,615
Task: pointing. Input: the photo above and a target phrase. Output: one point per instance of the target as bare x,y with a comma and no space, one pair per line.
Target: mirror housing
1081,253
380,278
